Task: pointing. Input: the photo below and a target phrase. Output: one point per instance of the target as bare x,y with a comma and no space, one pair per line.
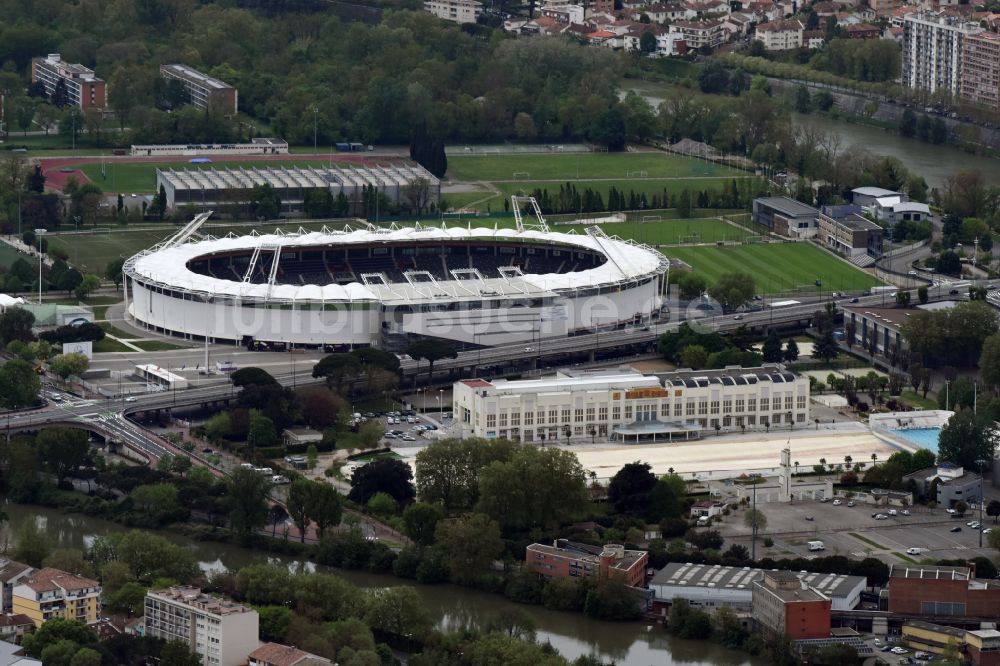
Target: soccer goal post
651,218
521,175
637,174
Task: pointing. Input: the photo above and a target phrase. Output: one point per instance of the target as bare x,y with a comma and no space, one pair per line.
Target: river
934,163
628,644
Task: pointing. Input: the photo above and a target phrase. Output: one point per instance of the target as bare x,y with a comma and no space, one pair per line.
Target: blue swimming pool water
924,437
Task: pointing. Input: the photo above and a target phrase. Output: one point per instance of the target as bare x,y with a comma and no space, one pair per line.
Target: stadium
385,286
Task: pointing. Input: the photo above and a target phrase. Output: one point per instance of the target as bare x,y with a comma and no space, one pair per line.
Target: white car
881,516
914,551
987,530
971,523
407,438
950,510
976,525
131,398
837,502
899,650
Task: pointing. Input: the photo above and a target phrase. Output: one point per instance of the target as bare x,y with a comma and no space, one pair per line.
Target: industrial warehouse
207,188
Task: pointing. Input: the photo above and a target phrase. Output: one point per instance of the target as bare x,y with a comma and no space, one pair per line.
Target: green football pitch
582,166
776,267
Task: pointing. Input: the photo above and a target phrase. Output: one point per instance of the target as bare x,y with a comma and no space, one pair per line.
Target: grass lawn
9,255
111,329
109,345
582,166
128,177
92,252
155,345
649,186
868,541
776,267
672,232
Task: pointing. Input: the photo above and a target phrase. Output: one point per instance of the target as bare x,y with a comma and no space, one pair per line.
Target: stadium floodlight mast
38,234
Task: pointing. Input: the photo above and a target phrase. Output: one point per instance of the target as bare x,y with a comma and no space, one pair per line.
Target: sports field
776,267
140,177
672,232
583,166
92,252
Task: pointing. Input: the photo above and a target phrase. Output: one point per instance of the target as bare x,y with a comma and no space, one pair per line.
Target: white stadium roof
167,265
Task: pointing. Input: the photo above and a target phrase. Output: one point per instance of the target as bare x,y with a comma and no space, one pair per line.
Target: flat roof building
942,592
982,647
629,406
205,92
568,559
712,586
223,632
210,188
784,604
785,216
929,637
980,78
846,232
82,87
954,484
459,11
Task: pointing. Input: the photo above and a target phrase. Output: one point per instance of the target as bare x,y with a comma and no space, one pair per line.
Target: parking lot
403,428
852,532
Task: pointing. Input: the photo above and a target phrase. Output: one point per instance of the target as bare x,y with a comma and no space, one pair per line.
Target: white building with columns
630,407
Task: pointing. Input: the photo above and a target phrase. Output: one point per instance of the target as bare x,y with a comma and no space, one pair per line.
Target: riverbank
451,607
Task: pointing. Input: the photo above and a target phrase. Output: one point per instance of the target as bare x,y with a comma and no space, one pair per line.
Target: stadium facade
477,286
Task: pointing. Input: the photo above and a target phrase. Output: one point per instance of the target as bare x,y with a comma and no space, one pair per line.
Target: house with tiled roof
275,654
15,625
862,31
738,23
49,593
11,573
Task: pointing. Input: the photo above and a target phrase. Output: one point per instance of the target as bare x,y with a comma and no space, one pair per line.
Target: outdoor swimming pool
923,437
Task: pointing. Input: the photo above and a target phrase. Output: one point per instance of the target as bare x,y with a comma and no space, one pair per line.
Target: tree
647,42
733,290
420,520
908,123
64,450
826,347
324,507
246,494
261,432
772,348
55,630
791,350
298,505
431,349
534,489
755,518
966,439
86,657
448,470
922,295
694,357
88,285
69,365
472,543
691,284
398,611
993,510
113,271
265,203
16,323
949,263
31,544
389,476
989,361
177,653
803,101
19,385
666,499
128,600
630,487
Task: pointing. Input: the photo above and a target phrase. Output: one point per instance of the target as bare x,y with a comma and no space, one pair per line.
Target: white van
816,545
703,521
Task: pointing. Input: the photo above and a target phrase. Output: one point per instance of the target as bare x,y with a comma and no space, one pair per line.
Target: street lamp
315,117
38,234
440,396
982,499
753,537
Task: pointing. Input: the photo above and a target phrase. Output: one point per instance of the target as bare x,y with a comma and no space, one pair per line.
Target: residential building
942,592
884,7
565,14
863,31
933,46
275,654
459,11
881,325
301,436
711,586
813,39
11,573
667,43
696,34
954,484
604,6
223,632
784,605
738,23
891,210
629,406
982,647
568,559
786,216
780,35
204,92
981,69
15,625
846,232
929,637
707,509
83,88
49,593
13,655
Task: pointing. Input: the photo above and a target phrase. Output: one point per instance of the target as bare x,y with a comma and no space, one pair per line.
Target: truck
816,545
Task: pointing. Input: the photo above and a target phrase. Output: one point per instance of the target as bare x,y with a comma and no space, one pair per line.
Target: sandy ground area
721,457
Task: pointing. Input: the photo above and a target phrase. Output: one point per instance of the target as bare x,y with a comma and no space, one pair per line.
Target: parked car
899,650
956,528
837,502
905,512
207,450
914,551
850,503
881,516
